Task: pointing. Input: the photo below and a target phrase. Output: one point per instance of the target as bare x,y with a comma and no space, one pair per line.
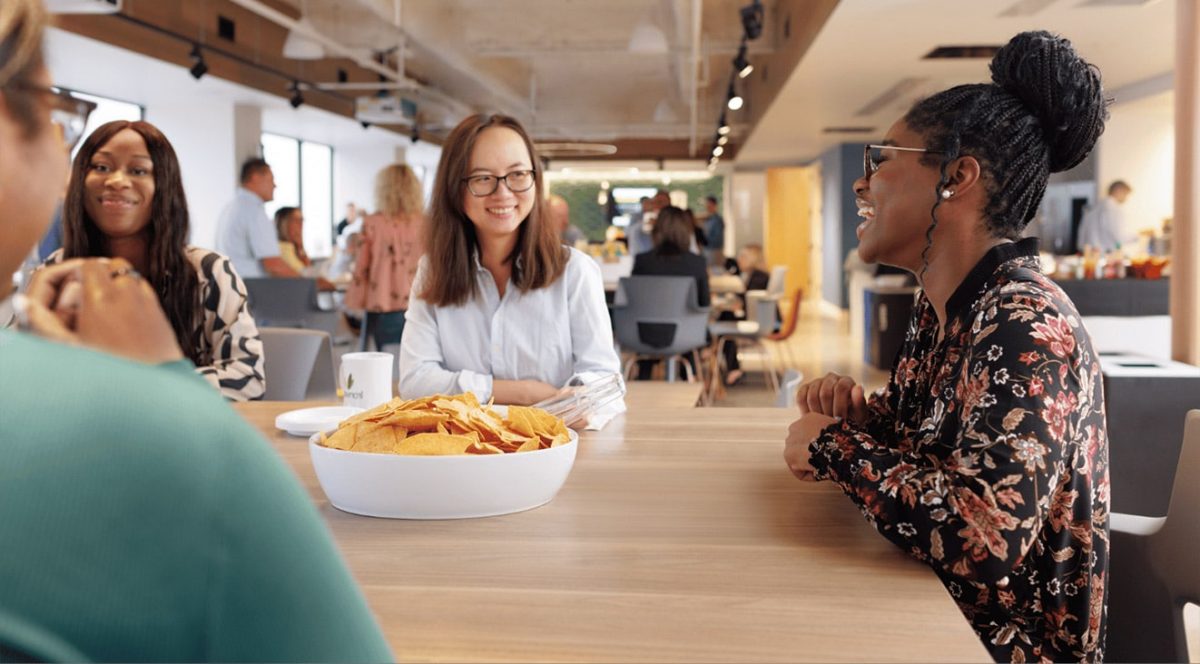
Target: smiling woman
126,200
499,306
986,455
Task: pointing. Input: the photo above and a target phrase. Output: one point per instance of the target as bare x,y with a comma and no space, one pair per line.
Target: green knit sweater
142,519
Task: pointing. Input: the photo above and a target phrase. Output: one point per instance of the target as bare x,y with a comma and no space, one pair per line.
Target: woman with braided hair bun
986,455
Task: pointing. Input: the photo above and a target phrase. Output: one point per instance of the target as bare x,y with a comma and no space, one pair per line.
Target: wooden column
1185,240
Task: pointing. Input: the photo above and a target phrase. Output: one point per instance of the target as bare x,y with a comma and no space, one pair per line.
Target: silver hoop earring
946,193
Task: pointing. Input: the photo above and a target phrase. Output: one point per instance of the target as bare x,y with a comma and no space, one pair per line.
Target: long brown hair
168,270
673,231
539,258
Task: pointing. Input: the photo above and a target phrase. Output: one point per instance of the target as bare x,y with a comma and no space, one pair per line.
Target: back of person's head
751,258
282,218
559,211
167,230
398,191
253,166
672,232
538,258
21,26
1119,189
1041,114
662,198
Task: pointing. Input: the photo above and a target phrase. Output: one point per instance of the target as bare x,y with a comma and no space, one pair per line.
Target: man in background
1103,225
244,232
714,232
560,215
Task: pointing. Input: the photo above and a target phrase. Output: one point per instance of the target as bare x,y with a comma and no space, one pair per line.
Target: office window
304,179
107,110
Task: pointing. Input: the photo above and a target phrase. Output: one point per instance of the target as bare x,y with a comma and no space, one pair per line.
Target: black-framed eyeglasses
68,113
873,156
486,185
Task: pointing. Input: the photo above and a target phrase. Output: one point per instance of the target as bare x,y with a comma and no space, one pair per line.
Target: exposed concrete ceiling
869,48
647,76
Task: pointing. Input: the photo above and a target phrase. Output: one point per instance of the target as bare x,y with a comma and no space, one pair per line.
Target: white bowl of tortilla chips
443,458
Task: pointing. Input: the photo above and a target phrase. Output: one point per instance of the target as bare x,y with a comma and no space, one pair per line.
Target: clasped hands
821,401
99,303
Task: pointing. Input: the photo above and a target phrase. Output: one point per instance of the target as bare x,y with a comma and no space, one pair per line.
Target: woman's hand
833,395
801,434
102,304
522,392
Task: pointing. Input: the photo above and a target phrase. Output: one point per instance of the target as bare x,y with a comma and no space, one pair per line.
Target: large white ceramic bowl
463,486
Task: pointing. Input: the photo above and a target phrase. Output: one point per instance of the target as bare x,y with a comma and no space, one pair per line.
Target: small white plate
308,421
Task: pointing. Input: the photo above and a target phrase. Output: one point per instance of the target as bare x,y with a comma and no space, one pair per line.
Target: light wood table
679,536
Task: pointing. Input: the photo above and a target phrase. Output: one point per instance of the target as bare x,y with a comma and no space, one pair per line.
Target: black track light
416,133
365,124
723,126
752,19
199,67
297,99
741,64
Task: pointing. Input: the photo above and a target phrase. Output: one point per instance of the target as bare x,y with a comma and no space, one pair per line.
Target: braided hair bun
1061,89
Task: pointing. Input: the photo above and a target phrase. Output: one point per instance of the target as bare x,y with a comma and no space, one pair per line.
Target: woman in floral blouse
393,240
986,455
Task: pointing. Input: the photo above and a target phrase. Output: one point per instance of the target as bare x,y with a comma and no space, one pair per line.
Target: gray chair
298,364
749,332
792,378
778,281
1153,570
288,302
660,317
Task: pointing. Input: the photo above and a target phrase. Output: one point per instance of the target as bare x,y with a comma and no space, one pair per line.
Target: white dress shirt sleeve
264,242
422,362
591,328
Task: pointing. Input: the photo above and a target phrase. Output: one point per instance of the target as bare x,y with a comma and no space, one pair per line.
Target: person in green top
142,519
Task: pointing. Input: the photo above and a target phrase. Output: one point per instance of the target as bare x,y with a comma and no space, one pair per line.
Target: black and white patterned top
228,337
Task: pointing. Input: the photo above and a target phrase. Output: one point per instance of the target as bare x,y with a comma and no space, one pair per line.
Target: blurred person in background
144,519
500,307
560,213
1103,225
390,245
714,232
673,236
126,200
752,267
289,228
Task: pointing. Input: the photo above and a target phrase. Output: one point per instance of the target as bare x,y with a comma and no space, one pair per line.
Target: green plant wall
588,215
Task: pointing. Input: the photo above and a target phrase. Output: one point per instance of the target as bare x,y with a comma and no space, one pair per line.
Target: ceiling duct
1026,8
892,95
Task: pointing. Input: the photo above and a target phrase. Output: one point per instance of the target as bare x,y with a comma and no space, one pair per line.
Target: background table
679,536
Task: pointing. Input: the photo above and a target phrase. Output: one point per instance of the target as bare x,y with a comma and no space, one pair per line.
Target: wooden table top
679,536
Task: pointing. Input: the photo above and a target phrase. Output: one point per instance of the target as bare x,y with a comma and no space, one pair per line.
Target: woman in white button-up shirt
499,307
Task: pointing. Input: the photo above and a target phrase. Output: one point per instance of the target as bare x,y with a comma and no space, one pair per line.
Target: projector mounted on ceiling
83,6
384,110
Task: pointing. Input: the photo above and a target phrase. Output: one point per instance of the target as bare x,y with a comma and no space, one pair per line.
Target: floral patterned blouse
386,263
986,457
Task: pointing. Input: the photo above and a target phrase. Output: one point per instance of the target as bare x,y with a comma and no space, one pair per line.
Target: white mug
366,379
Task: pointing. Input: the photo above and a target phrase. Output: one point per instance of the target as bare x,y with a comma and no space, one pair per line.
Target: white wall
747,192
1138,146
204,145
